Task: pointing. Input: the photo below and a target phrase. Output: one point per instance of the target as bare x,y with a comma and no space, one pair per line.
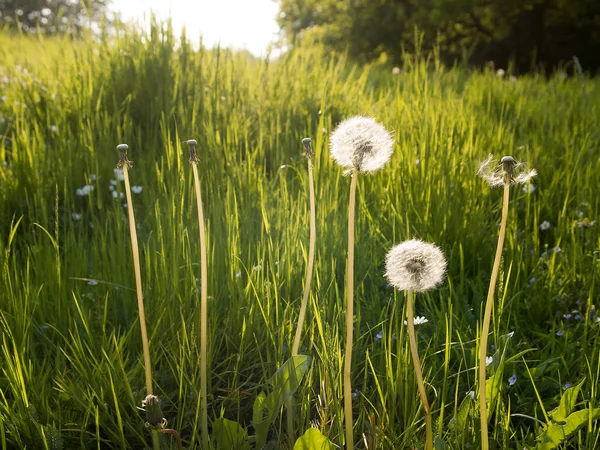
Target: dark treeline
532,34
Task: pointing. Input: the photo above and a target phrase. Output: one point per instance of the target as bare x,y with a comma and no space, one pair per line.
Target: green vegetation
71,363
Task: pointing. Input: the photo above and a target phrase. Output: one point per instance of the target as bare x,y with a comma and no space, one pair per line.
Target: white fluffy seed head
361,143
415,266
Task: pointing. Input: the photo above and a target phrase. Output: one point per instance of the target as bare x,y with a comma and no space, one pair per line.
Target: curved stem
303,305
486,322
140,298
415,359
349,316
203,310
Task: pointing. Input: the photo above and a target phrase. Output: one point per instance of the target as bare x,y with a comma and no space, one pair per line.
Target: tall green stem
417,364
203,311
306,294
140,298
349,316
486,322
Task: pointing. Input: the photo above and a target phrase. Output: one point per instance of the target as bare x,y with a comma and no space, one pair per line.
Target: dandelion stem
415,359
486,322
140,299
306,294
203,310
349,316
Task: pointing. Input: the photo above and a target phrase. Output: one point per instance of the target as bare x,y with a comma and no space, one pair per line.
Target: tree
51,16
546,32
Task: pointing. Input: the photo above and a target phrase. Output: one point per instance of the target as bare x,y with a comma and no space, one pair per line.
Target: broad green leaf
285,382
439,444
557,432
313,439
567,403
228,434
493,387
541,368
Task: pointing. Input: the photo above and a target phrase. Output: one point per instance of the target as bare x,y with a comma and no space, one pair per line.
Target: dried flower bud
154,415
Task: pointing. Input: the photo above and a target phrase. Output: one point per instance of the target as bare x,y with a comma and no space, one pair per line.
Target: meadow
71,368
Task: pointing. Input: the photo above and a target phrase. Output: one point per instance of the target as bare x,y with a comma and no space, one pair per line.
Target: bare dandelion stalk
417,364
203,297
349,316
309,271
125,164
415,266
359,144
504,174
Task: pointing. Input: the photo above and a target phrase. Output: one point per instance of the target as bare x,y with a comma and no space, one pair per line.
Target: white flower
512,380
136,189
113,182
92,282
119,174
238,274
545,225
257,267
361,143
488,360
53,128
116,194
379,336
529,188
419,320
471,394
415,265
76,216
507,171
85,190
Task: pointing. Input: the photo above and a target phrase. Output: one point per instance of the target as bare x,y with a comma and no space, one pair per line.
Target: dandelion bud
122,147
123,160
415,266
154,415
361,143
308,153
192,144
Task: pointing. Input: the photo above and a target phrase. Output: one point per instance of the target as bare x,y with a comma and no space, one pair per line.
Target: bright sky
241,24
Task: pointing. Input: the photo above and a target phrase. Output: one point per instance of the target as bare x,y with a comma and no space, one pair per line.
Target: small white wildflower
111,188
76,216
238,274
361,143
507,171
92,282
488,360
113,182
417,161
136,189
500,73
557,250
545,225
396,71
119,174
415,265
257,267
125,205
419,320
529,188
53,128
116,194
93,177
471,394
512,380
379,336
85,190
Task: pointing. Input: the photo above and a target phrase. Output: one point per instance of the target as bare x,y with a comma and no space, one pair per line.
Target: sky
240,24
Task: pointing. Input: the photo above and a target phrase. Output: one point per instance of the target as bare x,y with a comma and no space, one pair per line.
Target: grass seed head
361,143
509,171
415,265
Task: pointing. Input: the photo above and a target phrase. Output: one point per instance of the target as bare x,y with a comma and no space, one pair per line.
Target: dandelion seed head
415,265
507,171
361,143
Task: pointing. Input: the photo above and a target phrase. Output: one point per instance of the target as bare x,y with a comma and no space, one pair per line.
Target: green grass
71,368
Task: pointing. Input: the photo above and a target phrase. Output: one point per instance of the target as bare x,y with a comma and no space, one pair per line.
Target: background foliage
530,33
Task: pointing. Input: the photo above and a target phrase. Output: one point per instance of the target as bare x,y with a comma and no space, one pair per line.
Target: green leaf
285,382
228,434
567,403
557,432
439,444
313,439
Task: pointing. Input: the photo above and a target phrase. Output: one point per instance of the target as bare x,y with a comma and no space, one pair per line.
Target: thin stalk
486,322
203,311
349,316
138,288
306,294
416,362
175,434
